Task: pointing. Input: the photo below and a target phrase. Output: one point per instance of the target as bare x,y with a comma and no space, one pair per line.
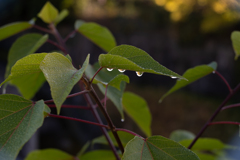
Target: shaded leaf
23,46
116,81
124,137
49,154
63,14
132,58
61,76
235,37
48,13
156,148
179,135
192,75
13,28
19,120
26,75
98,34
83,149
98,155
136,107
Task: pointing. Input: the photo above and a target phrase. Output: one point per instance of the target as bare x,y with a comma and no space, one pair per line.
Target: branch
224,80
57,45
69,35
231,106
224,122
95,74
78,120
42,29
69,106
128,131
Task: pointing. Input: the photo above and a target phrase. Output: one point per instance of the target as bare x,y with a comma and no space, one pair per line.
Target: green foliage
131,58
156,147
179,135
63,14
235,37
98,34
101,154
61,76
49,13
135,106
19,120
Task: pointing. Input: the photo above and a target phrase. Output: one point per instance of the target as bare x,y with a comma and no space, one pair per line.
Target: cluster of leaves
20,117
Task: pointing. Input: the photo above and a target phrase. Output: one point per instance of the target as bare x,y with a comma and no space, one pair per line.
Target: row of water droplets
139,74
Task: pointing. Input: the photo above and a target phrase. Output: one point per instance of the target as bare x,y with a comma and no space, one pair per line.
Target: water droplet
121,70
213,72
139,74
109,69
122,120
173,77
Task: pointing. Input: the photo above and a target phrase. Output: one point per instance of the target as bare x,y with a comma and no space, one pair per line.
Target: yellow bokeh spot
219,7
176,16
160,2
171,6
202,2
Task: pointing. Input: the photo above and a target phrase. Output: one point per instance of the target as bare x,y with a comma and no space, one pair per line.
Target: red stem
69,106
95,74
224,80
69,35
128,131
57,45
78,120
224,122
231,106
42,29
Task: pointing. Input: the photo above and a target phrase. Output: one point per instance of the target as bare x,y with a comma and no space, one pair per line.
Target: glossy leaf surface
61,76
235,37
156,148
12,29
192,75
179,135
124,137
49,154
48,13
23,46
98,155
26,75
136,107
19,120
132,58
98,34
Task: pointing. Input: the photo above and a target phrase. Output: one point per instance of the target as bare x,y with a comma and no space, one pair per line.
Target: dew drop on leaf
173,77
139,74
121,70
109,69
213,72
122,120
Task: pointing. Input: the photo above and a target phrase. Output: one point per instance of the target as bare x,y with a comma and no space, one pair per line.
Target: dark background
179,34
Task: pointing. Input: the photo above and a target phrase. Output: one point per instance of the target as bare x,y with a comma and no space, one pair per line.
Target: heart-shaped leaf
13,28
136,107
61,76
49,154
19,120
26,75
192,75
156,147
131,58
98,34
48,13
235,37
98,155
23,46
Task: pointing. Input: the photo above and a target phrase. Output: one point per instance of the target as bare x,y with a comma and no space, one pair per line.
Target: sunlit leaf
136,107
12,29
179,135
26,75
49,154
98,155
48,13
192,75
61,76
23,46
131,58
156,148
98,34
19,120
235,37
63,14
124,137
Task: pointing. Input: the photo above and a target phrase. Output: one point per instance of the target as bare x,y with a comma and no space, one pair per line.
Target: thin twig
78,120
42,29
231,106
69,106
69,35
224,80
224,122
95,74
57,45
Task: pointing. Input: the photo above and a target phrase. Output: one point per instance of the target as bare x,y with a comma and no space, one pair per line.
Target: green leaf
63,14
98,155
13,28
83,149
98,34
204,144
131,58
26,75
115,95
179,135
49,154
136,107
192,75
48,13
19,120
156,148
124,137
61,76
116,81
235,37
205,156
23,46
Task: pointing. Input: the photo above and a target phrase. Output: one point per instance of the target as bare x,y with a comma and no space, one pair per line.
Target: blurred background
179,34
